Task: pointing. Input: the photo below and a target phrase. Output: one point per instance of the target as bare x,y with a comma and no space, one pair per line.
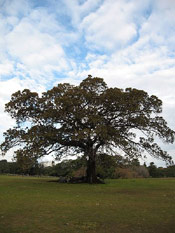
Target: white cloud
110,27
6,68
160,26
34,49
32,43
16,8
164,5
78,11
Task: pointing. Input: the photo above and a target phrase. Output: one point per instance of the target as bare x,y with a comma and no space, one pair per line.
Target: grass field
35,205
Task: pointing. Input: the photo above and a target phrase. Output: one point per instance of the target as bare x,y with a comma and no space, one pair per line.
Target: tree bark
91,176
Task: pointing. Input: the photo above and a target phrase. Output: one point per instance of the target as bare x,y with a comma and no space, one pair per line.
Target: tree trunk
91,176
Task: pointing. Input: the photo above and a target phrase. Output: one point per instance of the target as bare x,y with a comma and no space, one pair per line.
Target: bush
131,172
141,171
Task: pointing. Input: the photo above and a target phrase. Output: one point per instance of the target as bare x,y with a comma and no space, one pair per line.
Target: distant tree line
113,167
15,168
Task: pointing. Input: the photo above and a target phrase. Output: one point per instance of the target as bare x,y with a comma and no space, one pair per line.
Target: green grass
35,205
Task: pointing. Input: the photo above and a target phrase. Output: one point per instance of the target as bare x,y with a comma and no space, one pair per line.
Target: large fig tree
88,119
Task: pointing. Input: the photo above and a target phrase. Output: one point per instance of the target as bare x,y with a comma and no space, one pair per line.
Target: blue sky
130,43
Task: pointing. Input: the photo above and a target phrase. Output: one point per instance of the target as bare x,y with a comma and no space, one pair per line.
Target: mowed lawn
36,205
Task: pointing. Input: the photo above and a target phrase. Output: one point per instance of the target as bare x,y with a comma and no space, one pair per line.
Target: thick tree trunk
91,176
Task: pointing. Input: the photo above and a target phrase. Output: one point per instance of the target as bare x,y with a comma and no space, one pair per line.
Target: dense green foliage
88,119
31,205
9,167
160,171
17,168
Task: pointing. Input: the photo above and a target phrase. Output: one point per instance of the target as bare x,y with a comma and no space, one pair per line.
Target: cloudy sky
130,43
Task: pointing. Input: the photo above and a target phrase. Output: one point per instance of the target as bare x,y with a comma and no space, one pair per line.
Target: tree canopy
88,119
